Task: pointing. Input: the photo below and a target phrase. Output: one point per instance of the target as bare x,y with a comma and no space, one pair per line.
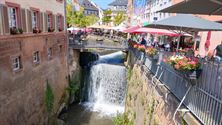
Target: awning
155,31
131,29
207,7
186,23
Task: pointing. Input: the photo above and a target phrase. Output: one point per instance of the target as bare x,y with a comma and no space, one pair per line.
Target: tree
119,18
78,19
107,18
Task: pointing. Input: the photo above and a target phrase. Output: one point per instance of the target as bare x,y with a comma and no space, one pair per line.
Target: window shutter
29,20
41,21
5,20
56,23
62,22
45,21
19,18
23,20
53,21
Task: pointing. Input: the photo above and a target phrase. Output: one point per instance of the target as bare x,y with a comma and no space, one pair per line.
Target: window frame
49,14
37,11
18,13
60,21
49,53
18,63
36,57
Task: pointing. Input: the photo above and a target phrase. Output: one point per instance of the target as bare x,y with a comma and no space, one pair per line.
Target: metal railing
79,44
204,100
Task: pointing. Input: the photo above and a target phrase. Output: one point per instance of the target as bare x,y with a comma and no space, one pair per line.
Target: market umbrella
155,31
208,7
131,29
185,23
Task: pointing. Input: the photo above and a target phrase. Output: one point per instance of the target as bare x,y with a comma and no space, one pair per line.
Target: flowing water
104,92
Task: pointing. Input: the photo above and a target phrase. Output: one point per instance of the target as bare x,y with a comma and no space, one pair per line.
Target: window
49,21
36,58
59,22
49,53
35,19
12,12
16,63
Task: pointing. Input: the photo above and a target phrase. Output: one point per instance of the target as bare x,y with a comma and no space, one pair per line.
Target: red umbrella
207,43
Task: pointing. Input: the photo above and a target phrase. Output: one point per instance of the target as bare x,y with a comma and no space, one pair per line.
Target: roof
87,5
119,3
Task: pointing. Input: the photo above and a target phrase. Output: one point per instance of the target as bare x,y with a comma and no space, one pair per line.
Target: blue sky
103,3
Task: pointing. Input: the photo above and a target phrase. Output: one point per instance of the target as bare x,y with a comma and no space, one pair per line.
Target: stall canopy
208,7
73,29
131,29
154,31
185,23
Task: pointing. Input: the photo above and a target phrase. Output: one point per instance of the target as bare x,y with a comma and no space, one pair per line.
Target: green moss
184,122
122,119
49,98
129,73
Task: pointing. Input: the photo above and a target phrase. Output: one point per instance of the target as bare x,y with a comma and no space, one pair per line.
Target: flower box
189,67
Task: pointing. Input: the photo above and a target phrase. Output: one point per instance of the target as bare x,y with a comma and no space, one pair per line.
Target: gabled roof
119,3
86,4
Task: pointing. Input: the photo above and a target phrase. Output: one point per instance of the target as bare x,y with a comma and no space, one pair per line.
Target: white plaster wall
158,6
216,38
43,5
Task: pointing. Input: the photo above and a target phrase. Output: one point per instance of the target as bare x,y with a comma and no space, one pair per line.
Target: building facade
89,8
33,49
118,6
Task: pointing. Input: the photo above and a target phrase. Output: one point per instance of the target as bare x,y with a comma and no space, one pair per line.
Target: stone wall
151,104
22,92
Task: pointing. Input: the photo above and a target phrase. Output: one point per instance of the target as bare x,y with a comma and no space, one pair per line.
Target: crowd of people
187,46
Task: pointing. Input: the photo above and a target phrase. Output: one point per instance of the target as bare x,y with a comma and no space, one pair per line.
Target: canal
103,92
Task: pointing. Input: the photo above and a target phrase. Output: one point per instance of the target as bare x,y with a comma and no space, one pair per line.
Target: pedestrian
143,42
218,51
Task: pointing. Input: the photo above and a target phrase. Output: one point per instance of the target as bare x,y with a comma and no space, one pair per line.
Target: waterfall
106,87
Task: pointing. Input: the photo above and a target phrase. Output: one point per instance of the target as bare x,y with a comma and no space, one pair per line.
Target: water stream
104,92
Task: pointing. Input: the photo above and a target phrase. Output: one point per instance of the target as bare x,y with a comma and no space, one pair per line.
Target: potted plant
20,30
13,31
51,30
190,67
151,51
60,29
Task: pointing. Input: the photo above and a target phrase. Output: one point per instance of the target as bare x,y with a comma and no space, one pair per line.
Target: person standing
143,42
218,51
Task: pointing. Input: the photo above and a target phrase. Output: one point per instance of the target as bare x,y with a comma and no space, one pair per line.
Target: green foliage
107,16
122,119
184,122
49,98
78,19
151,110
73,85
119,18
129,73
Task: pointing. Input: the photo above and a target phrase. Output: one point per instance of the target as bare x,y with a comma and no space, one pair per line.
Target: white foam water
106,90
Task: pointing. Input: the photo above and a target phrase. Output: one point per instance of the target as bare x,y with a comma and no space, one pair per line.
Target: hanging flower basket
189,67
